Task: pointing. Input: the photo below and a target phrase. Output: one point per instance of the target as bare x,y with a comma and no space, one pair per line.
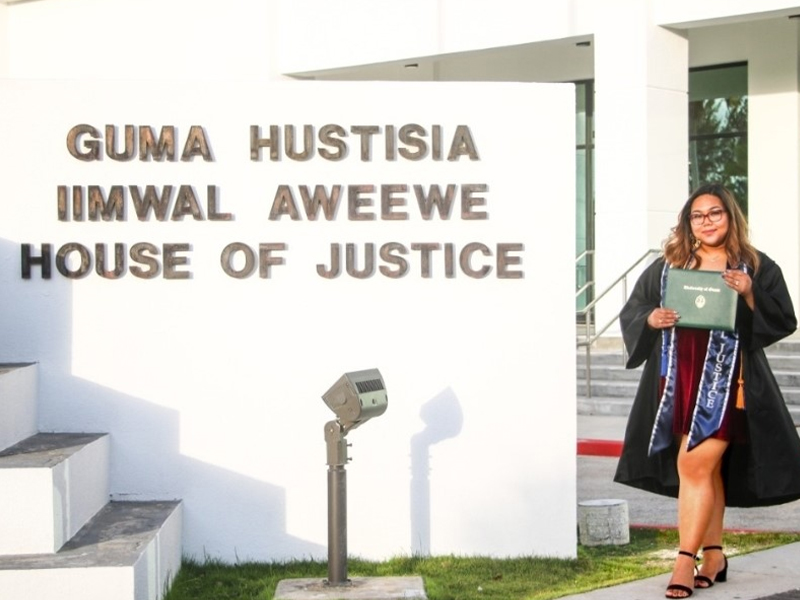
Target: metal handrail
586,311
589,284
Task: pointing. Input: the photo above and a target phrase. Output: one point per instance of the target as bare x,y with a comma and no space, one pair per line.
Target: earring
695,242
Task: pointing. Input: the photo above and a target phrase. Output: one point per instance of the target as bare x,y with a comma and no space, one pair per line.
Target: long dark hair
680,245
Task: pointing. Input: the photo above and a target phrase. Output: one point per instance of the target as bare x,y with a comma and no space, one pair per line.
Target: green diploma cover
701,298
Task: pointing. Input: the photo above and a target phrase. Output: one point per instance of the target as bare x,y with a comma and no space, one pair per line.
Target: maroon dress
692,345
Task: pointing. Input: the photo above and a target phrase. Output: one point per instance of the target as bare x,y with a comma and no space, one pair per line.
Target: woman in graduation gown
708,424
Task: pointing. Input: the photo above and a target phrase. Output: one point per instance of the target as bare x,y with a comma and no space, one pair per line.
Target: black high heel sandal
720,577
677,587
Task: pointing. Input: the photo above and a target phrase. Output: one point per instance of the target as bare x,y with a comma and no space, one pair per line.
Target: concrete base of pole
357,588
603,522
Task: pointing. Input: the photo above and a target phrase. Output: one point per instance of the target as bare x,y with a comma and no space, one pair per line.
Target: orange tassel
740,381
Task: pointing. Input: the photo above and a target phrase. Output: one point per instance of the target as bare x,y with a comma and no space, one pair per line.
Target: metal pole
337,503
588,354
337,525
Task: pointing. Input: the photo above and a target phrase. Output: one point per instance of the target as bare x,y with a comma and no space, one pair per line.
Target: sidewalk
769,575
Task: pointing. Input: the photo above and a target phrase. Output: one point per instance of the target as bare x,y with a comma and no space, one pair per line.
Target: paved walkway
769,575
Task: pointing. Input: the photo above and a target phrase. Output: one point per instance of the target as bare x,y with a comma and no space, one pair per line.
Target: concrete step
609,373
790,345
786,362
615,380
605,388
604,406
128,551
786,377
51,484
613,346
18,399
613,386
778,361
791,396
621,407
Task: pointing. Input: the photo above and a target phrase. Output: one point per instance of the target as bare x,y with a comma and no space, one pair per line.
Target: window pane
580,115
718,128
708,83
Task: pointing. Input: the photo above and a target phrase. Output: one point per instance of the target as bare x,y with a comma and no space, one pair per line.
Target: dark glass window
718,128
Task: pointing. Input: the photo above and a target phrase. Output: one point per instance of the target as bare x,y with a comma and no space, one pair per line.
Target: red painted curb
610,448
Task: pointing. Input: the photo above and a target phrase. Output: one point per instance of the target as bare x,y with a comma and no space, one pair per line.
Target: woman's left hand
738,281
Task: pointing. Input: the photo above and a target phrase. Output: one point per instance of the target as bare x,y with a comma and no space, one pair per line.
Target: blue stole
712,393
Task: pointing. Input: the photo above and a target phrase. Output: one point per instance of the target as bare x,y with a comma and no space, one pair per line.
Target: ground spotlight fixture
355,398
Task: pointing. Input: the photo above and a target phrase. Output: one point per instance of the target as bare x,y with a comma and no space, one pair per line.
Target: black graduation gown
766,470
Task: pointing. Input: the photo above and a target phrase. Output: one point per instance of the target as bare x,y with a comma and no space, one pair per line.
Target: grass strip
650,552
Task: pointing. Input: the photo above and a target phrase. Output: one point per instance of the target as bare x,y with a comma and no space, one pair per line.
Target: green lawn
650,552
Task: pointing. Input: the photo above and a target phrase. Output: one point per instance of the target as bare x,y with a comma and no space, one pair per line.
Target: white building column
641,140
774,145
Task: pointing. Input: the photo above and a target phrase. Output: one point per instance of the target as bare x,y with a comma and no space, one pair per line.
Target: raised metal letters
365,202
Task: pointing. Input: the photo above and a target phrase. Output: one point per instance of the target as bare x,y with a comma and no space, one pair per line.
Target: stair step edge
115,537
43,450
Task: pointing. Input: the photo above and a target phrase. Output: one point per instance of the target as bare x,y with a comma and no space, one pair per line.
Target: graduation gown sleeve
657,473
767,469
639,338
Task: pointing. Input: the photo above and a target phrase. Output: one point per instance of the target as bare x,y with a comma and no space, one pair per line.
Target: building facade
665,93
635,164
647,67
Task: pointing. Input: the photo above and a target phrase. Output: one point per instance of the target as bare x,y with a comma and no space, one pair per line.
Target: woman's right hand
662,318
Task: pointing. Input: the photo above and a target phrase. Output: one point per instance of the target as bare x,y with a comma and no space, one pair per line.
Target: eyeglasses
714,216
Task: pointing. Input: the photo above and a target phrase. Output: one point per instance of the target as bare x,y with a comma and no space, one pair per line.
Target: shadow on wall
443,419
146,462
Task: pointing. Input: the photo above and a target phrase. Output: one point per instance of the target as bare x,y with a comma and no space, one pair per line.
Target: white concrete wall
773,153
3,40
688,14
370,31
168,386
211,386
641,80
378,31
143,39
527,42
18,392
